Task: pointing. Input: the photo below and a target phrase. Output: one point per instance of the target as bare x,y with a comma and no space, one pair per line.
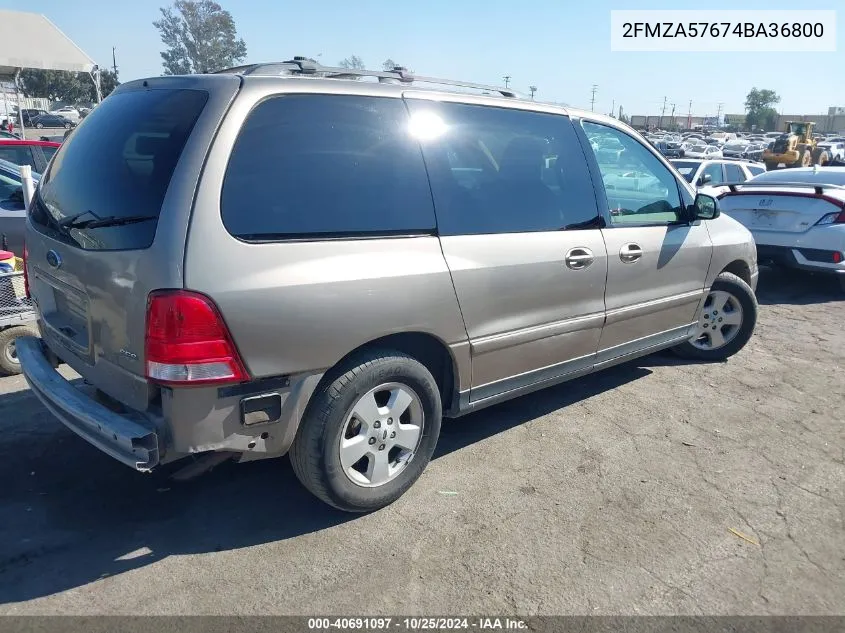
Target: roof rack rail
301,65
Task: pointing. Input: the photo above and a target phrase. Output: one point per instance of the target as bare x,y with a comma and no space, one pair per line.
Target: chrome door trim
496,342
542,377
650,307
645,345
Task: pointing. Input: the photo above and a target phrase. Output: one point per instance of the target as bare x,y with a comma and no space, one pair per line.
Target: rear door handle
579,258
630,253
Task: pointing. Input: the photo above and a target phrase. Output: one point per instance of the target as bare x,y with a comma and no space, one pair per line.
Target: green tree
59,85
199,37
759,109
388,64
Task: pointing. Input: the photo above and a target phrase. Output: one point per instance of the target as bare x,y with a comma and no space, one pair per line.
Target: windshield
686,168
736,145
698,147
824,176
117,165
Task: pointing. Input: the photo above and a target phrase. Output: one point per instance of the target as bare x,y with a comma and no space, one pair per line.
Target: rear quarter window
326,165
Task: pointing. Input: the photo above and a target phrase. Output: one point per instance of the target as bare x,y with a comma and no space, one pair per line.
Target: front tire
725,322
40,126
369,431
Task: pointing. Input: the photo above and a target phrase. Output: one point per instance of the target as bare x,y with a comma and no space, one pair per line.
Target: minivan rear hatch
108,223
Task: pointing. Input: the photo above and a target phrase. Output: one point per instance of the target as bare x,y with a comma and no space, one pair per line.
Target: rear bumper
811,260
119,436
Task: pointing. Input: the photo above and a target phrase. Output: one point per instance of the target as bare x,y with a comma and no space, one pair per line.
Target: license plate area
65,311
764,218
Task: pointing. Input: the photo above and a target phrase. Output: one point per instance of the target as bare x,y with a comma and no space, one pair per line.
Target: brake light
187,341
25,274
837,217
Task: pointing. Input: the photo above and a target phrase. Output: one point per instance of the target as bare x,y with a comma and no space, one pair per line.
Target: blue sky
561,46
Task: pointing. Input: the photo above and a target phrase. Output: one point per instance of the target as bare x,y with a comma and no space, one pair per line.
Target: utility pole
719,114
114,62
689,116
672,117
662,113
507,79
613,108
593,97
532,89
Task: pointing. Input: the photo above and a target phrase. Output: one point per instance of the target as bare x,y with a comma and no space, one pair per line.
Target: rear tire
40,126
740,304
9,363
321,450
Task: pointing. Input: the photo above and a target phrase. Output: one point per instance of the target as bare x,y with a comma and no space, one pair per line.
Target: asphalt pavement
657,487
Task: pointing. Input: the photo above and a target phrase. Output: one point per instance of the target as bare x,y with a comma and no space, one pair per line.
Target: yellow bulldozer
796,147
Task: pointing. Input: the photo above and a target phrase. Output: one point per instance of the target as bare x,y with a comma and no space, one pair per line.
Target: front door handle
630,253
579,258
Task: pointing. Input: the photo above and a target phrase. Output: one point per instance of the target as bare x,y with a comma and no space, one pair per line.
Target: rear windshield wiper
112,220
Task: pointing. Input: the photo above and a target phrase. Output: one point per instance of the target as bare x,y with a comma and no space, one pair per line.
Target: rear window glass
326,165
105,187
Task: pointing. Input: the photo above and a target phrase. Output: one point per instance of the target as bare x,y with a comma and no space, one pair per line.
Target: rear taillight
25,274
187,341
837,217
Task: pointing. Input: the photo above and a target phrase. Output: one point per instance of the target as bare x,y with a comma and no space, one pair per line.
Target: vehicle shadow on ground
70,515
794,287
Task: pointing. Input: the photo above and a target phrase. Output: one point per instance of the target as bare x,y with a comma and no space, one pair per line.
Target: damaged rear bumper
119,436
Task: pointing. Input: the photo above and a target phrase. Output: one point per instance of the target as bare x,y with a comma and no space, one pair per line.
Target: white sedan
797,217
68,112
700,150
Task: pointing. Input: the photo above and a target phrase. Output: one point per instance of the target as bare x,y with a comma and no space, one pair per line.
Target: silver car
276,259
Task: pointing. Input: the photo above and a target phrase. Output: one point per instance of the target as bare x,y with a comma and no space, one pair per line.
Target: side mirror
704,179
705,207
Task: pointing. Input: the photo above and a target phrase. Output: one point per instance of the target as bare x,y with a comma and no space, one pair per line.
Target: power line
593,97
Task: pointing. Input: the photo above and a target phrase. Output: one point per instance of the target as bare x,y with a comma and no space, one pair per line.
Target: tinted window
734,173
756,170
48,152
18,154
310,165
497,170
640,189
714,170
118,164
686,168
11,192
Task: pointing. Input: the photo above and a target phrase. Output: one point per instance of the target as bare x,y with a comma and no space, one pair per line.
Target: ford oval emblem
54,259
